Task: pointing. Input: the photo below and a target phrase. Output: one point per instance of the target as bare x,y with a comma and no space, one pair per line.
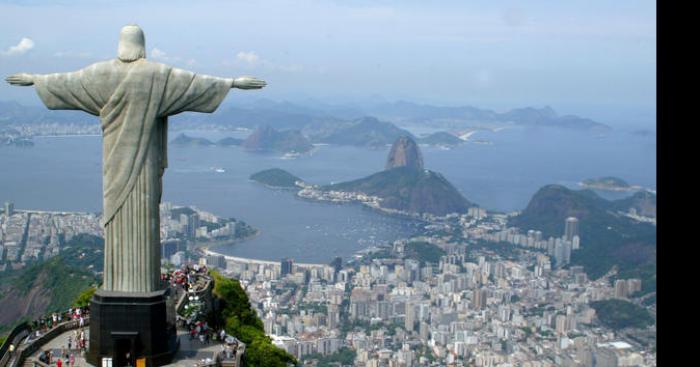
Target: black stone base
130,323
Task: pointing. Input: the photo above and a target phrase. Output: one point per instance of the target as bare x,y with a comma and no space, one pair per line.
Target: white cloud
248,57
159,54
24,45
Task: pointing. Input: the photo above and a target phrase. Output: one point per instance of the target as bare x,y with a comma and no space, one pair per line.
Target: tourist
72,360
59,362
70,342
42,357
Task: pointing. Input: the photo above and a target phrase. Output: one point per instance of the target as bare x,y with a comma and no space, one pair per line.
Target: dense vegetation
607,239
276,177
619,314
66,275
240,320
411,190
84,297
424,252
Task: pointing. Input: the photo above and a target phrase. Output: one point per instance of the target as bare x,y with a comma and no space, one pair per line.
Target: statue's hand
248,82
22,79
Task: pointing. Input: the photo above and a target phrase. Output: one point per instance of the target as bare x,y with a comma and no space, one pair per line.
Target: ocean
64,173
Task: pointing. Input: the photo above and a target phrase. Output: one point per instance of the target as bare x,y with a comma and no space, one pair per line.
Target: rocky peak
405,153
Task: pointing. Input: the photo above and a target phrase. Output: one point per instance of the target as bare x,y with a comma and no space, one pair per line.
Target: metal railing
18,333
32,347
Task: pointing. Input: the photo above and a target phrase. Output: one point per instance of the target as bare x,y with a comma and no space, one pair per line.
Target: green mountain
276,177
409,189
267,139
643,202
367,131
607,238
183,139
51,285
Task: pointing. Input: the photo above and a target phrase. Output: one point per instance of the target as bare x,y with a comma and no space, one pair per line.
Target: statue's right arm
248,82
21,79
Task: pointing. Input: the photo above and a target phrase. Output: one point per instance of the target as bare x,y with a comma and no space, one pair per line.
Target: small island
441,138
277,178
609,184
186,140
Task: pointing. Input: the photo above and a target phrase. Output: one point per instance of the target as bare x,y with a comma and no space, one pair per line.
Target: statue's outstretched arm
248,82
21,79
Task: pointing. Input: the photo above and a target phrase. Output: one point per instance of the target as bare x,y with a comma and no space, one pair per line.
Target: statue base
127,327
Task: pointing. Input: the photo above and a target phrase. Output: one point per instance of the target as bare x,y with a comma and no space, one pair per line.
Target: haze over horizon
594,59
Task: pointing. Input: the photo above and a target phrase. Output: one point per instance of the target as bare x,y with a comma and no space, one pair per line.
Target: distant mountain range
318,117
267,139
366,131
607,237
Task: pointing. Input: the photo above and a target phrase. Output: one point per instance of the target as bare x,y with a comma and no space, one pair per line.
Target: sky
592,58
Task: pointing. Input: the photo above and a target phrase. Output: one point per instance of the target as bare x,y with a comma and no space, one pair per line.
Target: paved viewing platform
192,352
43,344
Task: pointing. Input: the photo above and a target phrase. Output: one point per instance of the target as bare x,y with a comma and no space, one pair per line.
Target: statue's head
132,44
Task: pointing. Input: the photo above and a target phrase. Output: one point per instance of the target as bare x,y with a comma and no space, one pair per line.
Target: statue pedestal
133,324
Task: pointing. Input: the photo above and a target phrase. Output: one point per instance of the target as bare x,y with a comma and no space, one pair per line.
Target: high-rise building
576,242
192,225
9,209
337,264
410,320
620,288
217,261
286,265
168,248
479,299
571,228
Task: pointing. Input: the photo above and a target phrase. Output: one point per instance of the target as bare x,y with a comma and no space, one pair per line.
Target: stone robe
133,101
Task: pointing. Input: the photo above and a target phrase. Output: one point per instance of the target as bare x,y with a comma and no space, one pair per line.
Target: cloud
251,60
248,57
24,45
158,54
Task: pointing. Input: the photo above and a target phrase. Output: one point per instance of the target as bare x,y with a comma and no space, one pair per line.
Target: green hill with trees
607,238
240,320
276,177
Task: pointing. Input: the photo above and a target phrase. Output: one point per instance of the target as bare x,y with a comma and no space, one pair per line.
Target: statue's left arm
187,91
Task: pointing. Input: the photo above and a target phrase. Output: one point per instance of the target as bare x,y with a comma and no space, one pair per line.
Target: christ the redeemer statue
133,98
